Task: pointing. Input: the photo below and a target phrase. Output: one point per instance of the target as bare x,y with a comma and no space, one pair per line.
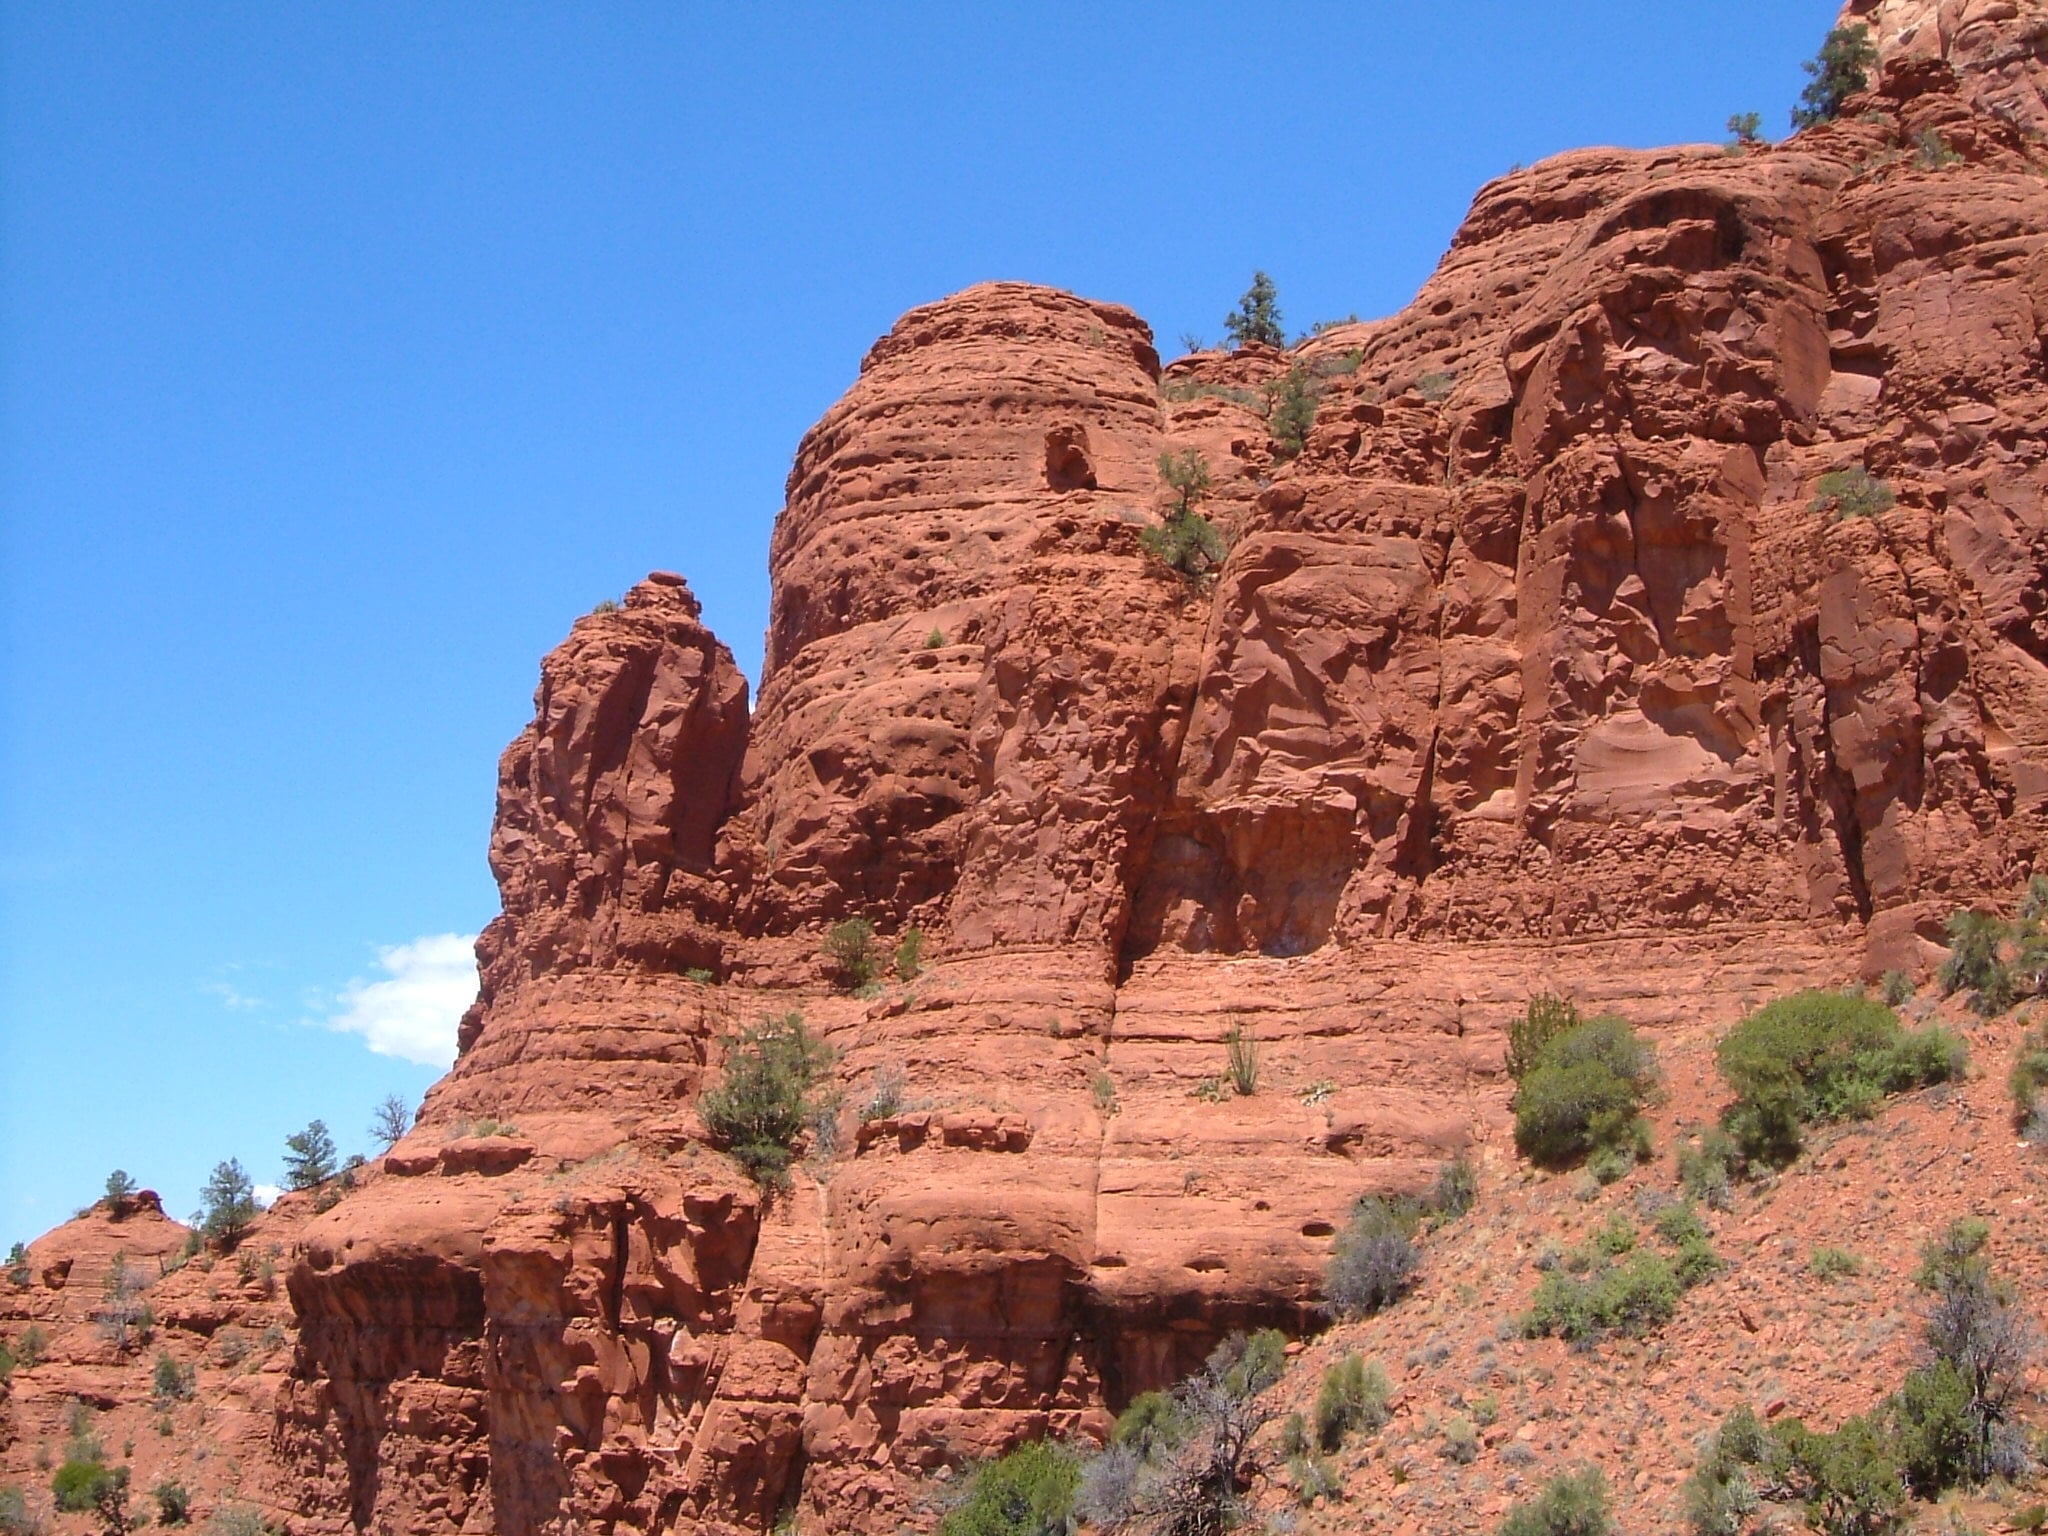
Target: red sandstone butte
1543,664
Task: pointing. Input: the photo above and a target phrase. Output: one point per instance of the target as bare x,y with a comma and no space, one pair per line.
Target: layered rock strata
1547,661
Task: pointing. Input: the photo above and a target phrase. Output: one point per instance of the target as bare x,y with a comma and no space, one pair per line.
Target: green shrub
173,1381
1436,386
1633,1298
910,954
1932,152
1720,1495
309,1157
1819,1055
1029,1492
1973,939
1546,1017
1154,1422
1745,127
1834,1263
1257,316
2029,1073
228,1202
1617,1237
16,1518
79,1483
1850,1480
1186,542
1313,1478
1241,1058
1705,1171
1853,492
1461,1440
1571,1504
1291,411
173,1503
30,1348
1456,1189
1584,1093
1934,1435
1374,1259
1896,988
851,951
1839,71
120,1191
1353,1397
767,1095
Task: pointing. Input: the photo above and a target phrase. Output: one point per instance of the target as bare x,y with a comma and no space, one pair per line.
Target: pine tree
1841,69
229,1202
309,1157
120,1190
1257,316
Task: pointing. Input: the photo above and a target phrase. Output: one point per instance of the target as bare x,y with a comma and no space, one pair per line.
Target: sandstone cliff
1545,662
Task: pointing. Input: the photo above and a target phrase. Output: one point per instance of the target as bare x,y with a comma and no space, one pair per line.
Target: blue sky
348,352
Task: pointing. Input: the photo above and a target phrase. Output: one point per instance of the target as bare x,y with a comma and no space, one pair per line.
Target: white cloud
413,1011
266,1195
230,997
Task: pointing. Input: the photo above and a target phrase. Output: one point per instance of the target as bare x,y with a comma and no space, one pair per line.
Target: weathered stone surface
1542,664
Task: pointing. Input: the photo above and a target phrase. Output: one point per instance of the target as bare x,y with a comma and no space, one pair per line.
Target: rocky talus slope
1542,664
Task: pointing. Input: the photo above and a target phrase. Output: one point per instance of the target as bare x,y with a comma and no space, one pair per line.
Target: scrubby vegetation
1186,542
1029,1492
1613,1285
1839,71
1241,1060
390,1121
1191,1480
768,1093
228,1203
1291,411
1949,1425
1999,963
1256,320
1852,492
1351,1399
1583,1091
1820,1056
1571,1504
1376,1258
852,953
309,1159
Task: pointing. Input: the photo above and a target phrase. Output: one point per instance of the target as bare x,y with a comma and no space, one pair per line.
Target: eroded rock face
1542,664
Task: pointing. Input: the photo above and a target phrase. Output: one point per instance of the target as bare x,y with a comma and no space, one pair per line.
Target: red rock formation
1543,663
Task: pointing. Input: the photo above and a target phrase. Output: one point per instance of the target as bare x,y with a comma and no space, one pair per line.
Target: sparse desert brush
1583,1093
1819,1055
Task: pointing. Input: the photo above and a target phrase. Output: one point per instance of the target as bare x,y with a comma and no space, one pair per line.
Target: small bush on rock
1571,1504
1375,1258
1029,1492
16,1518
852,953
1546,1017
1852,492
767,1094
1256,320
79,1482
2029,1074
1817,1056
1186,542
1839,71
1584,1093
1352,1398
